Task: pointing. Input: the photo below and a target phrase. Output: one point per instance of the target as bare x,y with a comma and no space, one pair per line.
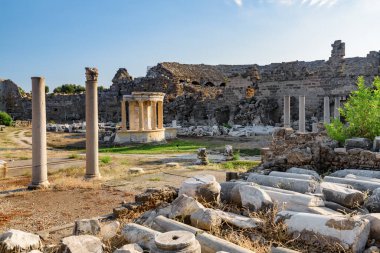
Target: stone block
204,188
292,175
81,244
184,206
360,185
376,144
362,143
19,241
361,173
374,219
296,170
373,201
129,248
346,197
87,227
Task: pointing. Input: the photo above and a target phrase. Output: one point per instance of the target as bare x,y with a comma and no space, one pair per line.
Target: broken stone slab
81,244
184,206
373,201
254,198
361,173
376,144
374,219
352,232
203,188
360,185
109,230
362,143
350,198
176,241
340,151
239,221
19,241
87,227
209,243
130,248
143,236
296,170
292,175
339,208
292,184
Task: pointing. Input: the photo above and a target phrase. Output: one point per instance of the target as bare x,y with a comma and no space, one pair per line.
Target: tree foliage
69,89
47,89
361,112
5,119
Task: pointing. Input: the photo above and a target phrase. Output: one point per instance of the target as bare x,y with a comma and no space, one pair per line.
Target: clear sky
59,38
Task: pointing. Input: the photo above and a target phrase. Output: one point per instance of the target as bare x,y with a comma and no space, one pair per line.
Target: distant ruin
220,94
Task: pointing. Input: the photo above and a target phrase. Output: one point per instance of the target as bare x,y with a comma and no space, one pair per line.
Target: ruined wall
234,94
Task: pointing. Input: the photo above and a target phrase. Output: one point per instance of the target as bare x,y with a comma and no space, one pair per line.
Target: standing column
131,107
154,115
39,157
301,120
141,116
92,163
336,108
326,110
123,116
287,111
160,118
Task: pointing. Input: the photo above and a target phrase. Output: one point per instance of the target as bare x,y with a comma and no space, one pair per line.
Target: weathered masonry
220,94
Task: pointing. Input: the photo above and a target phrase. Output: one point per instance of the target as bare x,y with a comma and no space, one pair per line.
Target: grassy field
175,146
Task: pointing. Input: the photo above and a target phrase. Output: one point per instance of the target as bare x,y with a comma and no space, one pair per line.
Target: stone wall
314,151
219,94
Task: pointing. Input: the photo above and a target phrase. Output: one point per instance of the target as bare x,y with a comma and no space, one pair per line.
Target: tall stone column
286,111
131,108
92,162
326,110
336,108
154,115
160,116
123,116
301,120
141,116
39,156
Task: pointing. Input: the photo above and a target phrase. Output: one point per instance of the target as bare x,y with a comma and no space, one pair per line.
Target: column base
38,186
92,176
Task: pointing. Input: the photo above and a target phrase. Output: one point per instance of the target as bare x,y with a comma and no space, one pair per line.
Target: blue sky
59,38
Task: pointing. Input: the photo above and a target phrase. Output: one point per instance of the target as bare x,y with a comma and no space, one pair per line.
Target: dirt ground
70,197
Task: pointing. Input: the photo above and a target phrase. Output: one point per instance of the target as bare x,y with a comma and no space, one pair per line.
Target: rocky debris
109,230
136,170
205,219
228,153
373,201
203,188
361,143
374,219
184,206
360,185
81,244
87,227
157,195
346,197
130,248
301,171
19,241
361,173
202,157
352,233
292,184
176,241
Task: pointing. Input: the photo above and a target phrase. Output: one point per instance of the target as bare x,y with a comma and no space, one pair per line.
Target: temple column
131,109
39,156
326,110
123,116
286,111
92,163
160,116
141,115
301,120
154,115
336,108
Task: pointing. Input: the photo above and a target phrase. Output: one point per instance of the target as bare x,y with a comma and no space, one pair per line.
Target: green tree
361,112
47,89
5,119
69,89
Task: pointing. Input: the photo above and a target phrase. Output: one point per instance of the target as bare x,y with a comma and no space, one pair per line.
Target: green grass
154,179
74,156
239,165
105,159
250,152
175,146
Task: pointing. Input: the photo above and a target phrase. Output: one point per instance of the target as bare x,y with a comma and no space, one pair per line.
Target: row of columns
39,153
156,119
301,107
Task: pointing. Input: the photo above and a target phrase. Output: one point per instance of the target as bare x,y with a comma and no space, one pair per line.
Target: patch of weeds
236,155
239,165
250,152
155,179
24,158
74,156
105,159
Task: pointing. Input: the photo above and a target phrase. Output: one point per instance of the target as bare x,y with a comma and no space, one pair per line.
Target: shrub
361,112
5,119
105,159
69,89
